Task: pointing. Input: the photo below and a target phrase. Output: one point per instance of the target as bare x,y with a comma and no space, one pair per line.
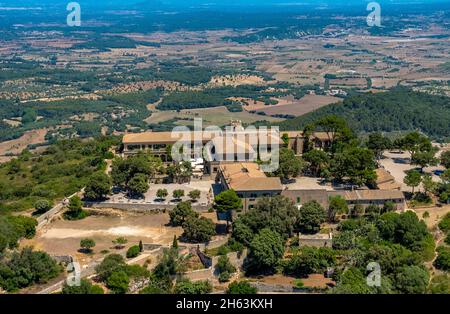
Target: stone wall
136,207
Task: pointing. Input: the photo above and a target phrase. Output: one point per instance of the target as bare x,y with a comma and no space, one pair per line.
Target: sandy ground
398,163
313,280
16,146
436,214
300,107
63,237
308,183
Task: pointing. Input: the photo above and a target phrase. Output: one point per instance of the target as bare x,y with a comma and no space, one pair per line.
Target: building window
298,200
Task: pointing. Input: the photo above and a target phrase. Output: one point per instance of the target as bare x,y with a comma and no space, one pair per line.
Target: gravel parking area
205,188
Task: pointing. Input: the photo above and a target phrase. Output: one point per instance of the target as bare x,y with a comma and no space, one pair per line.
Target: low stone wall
137,207
316,242
209,245
47,217
236,259
265,287
65,259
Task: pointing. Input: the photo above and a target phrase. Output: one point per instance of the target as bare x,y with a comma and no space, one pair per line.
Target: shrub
87,244
443,259
133,251
118,282
42,206
444,224
224,276
241,287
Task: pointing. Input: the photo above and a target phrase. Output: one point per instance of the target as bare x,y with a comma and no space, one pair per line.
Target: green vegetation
85,287
181,213
241,287
87,245
290,165
443,259
224,268
117,275
13,228
278,214
25,268
311,216
226,201
198,229
185,286
133,173
98,187
133,251
266,249
310,260
399,109
61,170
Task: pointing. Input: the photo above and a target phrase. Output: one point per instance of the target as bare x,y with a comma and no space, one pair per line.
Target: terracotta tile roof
370,195
385,181
248,177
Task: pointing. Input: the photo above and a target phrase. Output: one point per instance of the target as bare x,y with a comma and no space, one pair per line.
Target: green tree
412,279
227,201
224,265
378,143
309,260
445,159
185,286
181,213
162,193
110,264
87,244
415,142
319,161
356,164
412,179
118,282
85,287
42,206
336,128
285,139
337,205
311,216
194,195
290,166
241,287
242,232
123,170
440,284
175,242
442,261
198,229
266,249
133,251
444,224
120,242
75,204
352,281
178,194
98,186
23,268
138,184
428,184
425,158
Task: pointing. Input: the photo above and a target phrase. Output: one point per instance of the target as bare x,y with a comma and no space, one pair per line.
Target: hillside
399,109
